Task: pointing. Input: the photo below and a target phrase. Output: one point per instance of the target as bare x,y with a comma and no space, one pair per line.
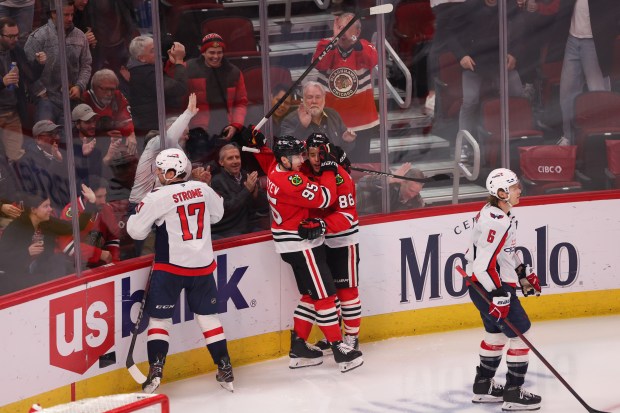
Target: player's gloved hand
528,280
500,304
311,228
341,157
329,162
257,139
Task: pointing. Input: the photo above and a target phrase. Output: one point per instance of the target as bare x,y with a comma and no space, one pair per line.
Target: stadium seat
613,164
548,169
596,120
238,34
448,87
521,133
253,77
414,24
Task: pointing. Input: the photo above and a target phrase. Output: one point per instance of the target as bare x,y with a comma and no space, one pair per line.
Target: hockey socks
304,317
157,339
213,333
351,310
327,318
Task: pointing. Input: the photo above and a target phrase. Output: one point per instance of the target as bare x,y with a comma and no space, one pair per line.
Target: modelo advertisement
405,265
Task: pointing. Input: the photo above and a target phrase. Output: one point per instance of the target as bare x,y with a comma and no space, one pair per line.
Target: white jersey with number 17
182,213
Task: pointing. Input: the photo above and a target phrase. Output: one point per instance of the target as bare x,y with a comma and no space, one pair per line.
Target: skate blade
347,366
516,407
152,386
227,386
486,398
298,363
327,352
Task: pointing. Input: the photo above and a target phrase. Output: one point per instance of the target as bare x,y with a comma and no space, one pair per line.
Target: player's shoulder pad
495,215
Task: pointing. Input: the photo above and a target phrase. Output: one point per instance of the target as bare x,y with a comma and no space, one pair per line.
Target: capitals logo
343,82
496,216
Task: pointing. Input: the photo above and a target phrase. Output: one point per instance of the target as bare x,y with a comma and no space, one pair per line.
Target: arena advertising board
71,335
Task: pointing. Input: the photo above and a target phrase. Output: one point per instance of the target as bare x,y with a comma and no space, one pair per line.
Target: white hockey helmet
176,160
501,178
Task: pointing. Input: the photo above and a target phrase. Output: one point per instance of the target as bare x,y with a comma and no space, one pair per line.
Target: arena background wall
68,340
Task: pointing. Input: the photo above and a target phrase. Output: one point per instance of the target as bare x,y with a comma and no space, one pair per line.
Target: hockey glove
500,304
528,280
341,157
311,228
329,162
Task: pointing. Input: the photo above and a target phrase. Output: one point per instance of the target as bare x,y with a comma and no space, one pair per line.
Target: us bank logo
430,278
228,291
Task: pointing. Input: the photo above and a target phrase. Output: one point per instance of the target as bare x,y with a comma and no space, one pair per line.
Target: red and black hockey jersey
348,81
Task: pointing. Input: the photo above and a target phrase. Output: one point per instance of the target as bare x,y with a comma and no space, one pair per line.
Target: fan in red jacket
99,240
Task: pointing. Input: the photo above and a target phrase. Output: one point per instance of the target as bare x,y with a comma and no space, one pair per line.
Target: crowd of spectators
113,105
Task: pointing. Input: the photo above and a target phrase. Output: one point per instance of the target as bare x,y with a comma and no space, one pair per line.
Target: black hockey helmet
287,146
317,139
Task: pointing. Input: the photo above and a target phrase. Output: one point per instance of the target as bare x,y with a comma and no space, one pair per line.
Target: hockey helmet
176,160
287,146
317,139
501,178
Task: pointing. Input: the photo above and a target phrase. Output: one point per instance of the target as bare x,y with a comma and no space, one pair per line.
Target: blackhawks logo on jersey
343,82
339,180
296,180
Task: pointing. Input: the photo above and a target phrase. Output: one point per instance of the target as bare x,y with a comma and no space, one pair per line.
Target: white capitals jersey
182,213
491,257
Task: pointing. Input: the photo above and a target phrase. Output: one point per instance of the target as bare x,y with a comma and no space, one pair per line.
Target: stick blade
382,9
136,374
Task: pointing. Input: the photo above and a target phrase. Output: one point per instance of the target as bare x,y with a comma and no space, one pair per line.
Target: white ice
419,374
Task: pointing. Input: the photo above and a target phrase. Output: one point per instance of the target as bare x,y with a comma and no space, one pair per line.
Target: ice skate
351,341
303,354
324,346
486,390
346,356
154,378
224,374
516,398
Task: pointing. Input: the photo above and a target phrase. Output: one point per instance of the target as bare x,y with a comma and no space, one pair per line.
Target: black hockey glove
530,285
250,137
329,162
311,228
341,157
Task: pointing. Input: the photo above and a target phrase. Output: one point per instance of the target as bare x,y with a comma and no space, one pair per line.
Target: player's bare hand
36,249
191,104
11,211
88,194
250,183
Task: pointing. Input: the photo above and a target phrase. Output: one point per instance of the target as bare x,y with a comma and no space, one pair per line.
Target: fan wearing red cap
220,88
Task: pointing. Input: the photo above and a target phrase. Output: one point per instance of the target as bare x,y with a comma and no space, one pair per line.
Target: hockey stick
511,326
382,9
129,363
434,178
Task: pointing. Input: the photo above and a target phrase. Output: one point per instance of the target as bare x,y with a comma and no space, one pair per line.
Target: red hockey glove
528,280
500,304
329,161
311,228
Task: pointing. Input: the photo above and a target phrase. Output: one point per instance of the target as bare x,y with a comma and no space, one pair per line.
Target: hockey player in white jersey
493,264
182,212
